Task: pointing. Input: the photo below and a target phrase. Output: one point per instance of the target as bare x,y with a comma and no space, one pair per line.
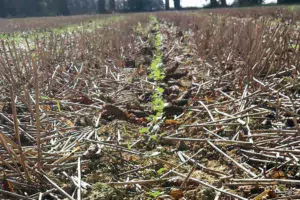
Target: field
163,105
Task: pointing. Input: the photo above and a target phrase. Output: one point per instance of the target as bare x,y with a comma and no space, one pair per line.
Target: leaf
45,98
144,130
128,144
163,134
77,148
240,84
183,89
160,90
141,70
67,122
172,122
6,184
142,120
85,100
58,105
188,62
154,194
129,115
45,107
124,128
120,63
208,99
161,170
277,174
64,69
154,137
176,193
267,193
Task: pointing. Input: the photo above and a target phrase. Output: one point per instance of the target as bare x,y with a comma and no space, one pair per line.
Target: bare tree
177,4
101,6
112,5
223,3
167,5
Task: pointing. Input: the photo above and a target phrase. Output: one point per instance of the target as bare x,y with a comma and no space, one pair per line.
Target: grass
32,35
8,26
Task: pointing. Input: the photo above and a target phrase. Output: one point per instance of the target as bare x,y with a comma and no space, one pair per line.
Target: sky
200,3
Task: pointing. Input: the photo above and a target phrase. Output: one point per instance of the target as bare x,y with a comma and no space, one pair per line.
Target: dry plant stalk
17,135
37,112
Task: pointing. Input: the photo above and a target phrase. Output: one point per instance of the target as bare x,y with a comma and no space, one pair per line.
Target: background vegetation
201,104
24,8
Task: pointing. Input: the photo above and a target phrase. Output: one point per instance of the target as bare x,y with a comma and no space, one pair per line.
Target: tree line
24,8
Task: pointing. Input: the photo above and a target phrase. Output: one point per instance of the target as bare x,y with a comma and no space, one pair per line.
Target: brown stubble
249,47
